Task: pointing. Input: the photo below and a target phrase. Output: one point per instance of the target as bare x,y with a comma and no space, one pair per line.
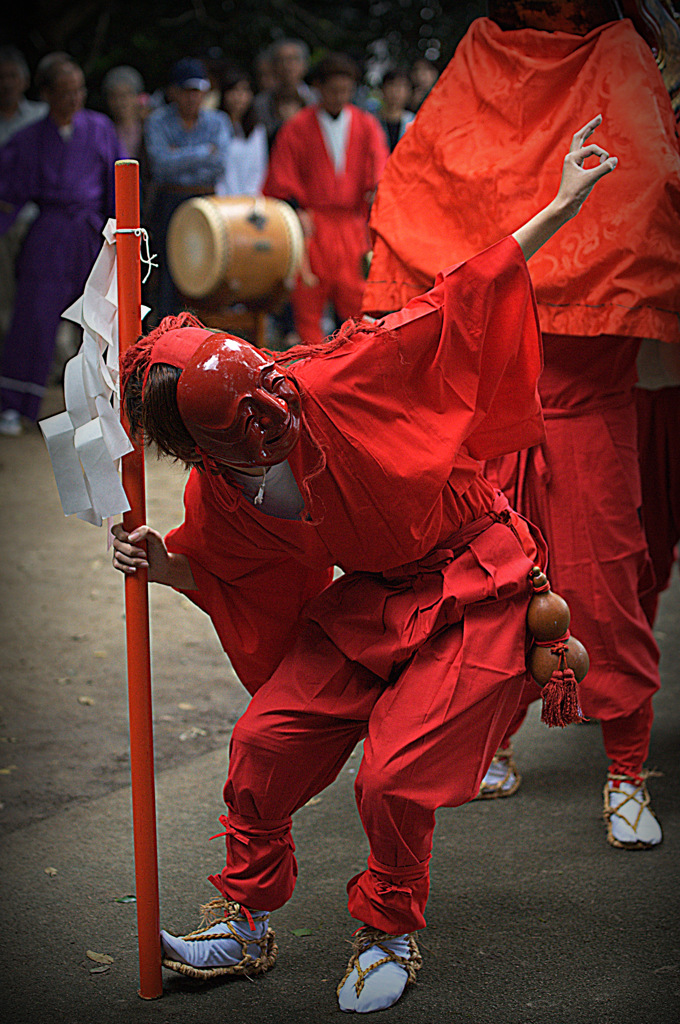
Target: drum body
226,250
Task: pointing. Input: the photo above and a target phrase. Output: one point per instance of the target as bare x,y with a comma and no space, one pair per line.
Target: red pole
137,608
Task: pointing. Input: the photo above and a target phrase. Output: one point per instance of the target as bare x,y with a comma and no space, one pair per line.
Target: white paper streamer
86,442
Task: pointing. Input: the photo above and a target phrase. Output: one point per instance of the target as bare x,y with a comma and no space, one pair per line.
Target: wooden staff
137,606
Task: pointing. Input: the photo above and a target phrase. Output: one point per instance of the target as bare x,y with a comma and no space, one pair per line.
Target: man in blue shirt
186,146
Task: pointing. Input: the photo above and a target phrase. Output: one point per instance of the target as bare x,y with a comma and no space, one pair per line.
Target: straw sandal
631,822
222,920
379,969
502,778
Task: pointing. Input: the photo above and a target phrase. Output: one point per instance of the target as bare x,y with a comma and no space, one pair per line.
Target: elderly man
64,164
362,454
289,63
15,112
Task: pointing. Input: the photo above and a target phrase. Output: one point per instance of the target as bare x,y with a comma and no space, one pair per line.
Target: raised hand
576,185
578,181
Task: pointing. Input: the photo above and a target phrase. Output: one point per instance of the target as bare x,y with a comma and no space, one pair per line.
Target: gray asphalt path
532,918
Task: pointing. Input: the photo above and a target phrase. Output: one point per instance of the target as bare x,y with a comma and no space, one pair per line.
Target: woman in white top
248,153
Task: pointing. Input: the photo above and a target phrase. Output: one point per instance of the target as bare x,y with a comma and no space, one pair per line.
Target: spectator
64,163
187,149
332,192
248,153
123,89
265,79
394,117
290,61
15,112
423,76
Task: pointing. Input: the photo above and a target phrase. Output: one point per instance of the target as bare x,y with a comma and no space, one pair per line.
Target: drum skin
225,250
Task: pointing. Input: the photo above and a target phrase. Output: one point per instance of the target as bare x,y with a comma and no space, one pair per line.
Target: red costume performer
373,445
401,418
485,128
336,197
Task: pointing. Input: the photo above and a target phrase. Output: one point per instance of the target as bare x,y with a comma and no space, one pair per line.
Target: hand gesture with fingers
577,180
576,185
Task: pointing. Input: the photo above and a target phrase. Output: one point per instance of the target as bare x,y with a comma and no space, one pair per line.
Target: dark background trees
152,34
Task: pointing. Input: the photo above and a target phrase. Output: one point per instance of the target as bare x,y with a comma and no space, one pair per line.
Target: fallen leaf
192,733
186,707
302,931
313,802
125,899
51,872
8,739
87,701
100,970
8,770
64,679
99,958
100,654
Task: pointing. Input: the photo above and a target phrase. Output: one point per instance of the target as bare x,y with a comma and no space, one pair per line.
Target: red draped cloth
483,155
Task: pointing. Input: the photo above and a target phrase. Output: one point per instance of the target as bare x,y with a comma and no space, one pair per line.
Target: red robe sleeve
252,588
458,370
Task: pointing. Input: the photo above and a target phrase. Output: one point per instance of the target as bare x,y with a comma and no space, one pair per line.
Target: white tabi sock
366,988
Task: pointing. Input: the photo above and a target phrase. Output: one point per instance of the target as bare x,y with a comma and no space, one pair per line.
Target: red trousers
336,248
431,726
626,739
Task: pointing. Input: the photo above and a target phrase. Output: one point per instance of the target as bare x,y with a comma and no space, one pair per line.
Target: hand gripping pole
137,606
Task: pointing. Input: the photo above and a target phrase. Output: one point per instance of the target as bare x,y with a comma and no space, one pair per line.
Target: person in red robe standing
483,135
363,453
326,162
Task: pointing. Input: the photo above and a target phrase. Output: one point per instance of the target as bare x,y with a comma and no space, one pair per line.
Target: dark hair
396,73
152,411
335,64
154,417
230,78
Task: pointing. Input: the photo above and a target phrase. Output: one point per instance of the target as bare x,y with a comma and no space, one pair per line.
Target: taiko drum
224,250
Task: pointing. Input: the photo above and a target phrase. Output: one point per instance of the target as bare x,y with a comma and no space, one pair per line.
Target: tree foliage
152,34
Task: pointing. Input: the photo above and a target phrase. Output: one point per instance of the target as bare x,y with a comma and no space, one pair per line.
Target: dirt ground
63,702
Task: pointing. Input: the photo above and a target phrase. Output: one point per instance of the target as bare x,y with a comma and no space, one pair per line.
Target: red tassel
560,699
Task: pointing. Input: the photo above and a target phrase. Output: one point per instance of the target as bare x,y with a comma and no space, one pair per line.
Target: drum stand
251,322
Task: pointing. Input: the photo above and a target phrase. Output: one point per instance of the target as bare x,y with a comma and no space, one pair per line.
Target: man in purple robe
65,164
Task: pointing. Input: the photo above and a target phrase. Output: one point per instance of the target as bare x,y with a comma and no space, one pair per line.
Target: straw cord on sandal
215,912
365,939
640,805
